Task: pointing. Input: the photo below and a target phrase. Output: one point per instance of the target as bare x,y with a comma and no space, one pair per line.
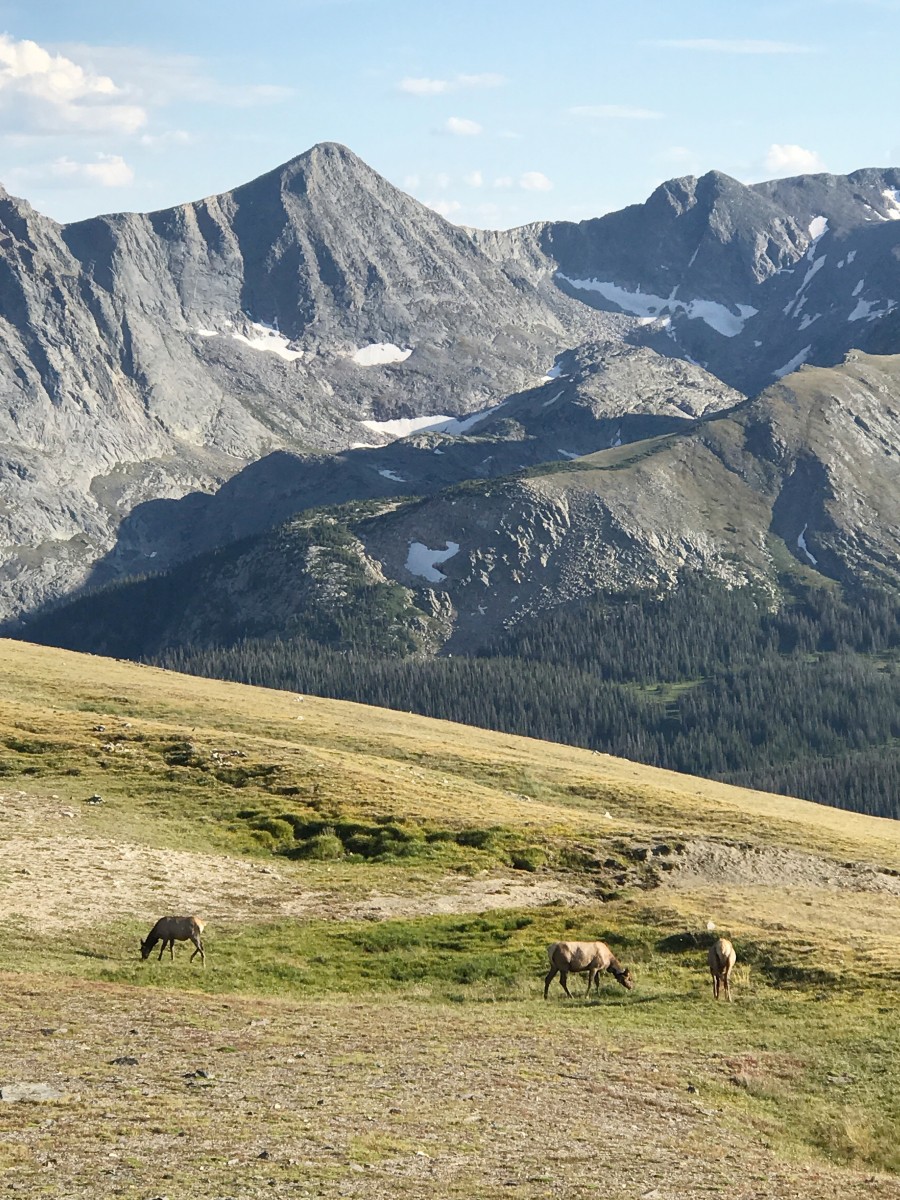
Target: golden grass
377,759
434,1069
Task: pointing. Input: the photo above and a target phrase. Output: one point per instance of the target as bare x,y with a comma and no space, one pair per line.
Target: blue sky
494,112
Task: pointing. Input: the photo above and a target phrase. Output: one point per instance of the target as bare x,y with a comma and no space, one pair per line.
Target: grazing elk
568,958
170,930
721,963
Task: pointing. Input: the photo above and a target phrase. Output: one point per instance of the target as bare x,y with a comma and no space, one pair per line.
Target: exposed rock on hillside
802,480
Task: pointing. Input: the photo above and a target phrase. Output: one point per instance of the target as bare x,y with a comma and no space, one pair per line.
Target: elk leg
171,949
199,951
550,976
162,950
563,976
592,975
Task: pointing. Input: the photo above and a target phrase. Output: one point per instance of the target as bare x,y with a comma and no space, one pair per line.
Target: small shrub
324,847
477,839
280,831
440,835
528,858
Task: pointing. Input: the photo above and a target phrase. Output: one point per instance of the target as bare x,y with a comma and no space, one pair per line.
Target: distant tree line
804,700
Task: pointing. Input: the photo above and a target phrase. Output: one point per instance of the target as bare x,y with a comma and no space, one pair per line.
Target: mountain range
177,380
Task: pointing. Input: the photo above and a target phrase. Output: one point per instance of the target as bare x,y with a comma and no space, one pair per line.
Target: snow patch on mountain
648,306
267,338
868,310
818,227
379,354
892,203
801,545
404,426
457,426
422,562
799,298
797,361
392,475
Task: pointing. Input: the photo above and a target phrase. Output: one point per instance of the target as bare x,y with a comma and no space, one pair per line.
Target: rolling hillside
379,888
737,536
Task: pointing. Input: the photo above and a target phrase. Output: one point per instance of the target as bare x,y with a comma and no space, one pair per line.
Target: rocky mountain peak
319,308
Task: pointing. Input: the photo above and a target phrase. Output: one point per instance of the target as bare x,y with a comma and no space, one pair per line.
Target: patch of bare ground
742,865
179,1095
65,880
53,875
70,882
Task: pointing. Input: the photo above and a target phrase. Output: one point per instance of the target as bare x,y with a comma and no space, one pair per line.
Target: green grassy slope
352,1048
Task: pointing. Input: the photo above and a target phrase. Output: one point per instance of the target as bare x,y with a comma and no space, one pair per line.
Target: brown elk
170,930
568,958
721,963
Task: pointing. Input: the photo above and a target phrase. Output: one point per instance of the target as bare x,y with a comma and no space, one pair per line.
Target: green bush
281,832
324,846
528,858
477,839
264,839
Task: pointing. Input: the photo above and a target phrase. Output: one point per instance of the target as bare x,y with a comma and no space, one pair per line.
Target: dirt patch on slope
743,865
55,883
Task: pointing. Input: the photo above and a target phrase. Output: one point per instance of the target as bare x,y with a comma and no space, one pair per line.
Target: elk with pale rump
568,958
170,930
721,963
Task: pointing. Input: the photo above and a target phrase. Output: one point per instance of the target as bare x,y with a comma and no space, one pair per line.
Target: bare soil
222,1098
740,865
54,877
64,880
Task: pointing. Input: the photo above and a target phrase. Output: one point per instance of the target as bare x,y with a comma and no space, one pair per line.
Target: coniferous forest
803,700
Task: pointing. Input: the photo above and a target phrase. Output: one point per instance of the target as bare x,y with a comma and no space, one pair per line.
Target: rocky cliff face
145,356
800,482
597,396
751,281
173,380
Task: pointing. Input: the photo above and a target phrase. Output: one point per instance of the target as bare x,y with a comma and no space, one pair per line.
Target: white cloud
446,208
489,79
423,86
411,182
110,170
47,94
170,137
106,170
615,112
535,181
462,127
474,179
529,181
792,160
734,46
155,80
95,90
442,180
677,154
